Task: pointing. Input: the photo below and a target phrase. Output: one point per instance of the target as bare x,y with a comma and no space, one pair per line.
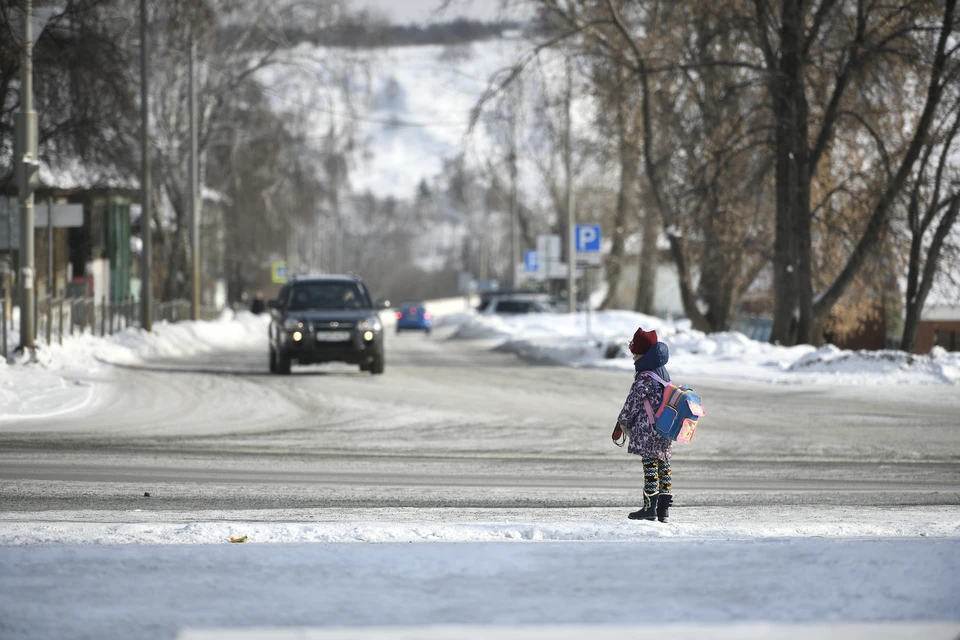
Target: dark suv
325,319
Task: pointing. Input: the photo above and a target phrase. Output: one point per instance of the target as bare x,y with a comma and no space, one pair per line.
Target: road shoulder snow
477,525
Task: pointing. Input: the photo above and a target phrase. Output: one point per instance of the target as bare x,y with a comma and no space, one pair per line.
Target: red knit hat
642,341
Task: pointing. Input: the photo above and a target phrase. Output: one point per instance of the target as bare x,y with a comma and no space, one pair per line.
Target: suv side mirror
273,304
382,304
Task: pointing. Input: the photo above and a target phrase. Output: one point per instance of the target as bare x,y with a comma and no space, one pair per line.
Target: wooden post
60,321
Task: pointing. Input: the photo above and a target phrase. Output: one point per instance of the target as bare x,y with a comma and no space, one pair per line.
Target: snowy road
453,424
796,504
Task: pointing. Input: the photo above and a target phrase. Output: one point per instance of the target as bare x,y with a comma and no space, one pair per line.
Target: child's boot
663,506
649,511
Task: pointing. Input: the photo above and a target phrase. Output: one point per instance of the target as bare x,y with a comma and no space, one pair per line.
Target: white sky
419,11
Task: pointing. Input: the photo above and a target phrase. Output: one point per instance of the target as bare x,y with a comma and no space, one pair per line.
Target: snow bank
692,524
35,392
64,377
563,339
240,330
940,363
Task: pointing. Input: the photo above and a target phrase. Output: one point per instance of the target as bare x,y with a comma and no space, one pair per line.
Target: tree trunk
911,325
626,200
667,215
790,116
648,264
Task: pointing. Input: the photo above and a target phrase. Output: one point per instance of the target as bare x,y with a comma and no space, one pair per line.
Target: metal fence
60,316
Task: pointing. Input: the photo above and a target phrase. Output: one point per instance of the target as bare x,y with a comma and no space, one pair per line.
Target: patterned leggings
656,476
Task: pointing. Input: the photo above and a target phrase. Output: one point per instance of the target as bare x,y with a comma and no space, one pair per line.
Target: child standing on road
648,355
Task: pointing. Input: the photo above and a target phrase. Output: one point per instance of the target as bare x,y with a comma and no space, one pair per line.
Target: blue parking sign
531,261
588,238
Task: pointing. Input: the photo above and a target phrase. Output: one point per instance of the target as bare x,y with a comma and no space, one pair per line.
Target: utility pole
571,218
27,182
51,280
484,249
514,206
194,196
146,261
6,277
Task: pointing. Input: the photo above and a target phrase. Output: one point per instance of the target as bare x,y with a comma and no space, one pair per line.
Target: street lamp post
27,182
146,260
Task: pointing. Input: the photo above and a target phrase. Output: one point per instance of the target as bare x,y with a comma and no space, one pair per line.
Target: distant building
100,259
939,326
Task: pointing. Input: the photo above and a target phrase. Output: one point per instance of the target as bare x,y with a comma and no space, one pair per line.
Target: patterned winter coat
644,439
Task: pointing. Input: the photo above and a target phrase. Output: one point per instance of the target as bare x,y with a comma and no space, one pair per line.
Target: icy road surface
452,424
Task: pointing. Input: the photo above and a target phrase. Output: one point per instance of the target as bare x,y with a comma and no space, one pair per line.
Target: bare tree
815,70
932,211
84,93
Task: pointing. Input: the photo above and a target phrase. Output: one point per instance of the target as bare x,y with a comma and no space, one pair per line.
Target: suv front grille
333,326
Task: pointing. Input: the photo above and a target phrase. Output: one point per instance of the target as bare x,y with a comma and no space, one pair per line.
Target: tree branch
878,219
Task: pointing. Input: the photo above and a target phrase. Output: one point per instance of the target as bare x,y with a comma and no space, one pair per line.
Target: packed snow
64,378
715,631
689,523
601,341
154,592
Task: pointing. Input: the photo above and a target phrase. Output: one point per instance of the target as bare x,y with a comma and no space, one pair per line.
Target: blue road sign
532,261
588,238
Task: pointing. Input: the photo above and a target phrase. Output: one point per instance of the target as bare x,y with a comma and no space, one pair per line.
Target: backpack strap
655,377
651,414
649,409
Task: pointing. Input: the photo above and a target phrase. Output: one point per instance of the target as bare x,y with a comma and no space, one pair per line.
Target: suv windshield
327,295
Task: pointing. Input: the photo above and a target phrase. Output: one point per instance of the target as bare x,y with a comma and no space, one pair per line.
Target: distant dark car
325,319
518,304
413,316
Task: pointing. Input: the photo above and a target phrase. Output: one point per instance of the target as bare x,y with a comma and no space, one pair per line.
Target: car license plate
333,336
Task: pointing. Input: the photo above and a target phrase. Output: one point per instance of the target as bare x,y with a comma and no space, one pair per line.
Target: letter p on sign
588,238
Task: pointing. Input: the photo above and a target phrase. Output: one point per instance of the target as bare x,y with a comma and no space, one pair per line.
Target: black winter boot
649,511
663,506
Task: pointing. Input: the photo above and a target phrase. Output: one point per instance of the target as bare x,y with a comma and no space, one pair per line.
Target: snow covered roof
941,313
77,174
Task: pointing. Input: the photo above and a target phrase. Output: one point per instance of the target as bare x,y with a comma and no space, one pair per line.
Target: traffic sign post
589,242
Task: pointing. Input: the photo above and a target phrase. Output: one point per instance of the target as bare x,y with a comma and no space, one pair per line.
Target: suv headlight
371,323
292,324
